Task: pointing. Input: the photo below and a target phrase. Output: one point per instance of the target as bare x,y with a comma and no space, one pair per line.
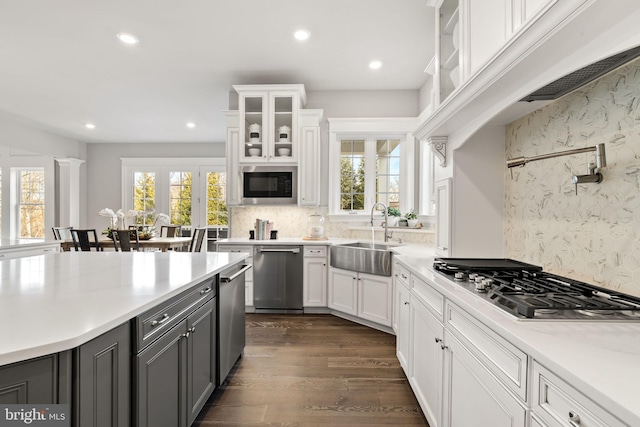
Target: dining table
161,243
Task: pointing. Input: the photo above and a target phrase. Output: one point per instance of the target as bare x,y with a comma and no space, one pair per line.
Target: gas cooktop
527,292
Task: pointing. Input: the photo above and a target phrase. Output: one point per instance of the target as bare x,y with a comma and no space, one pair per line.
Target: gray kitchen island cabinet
102,373
39,380
176,374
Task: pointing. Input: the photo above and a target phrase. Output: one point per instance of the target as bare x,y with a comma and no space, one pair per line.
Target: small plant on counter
393,211
412,214
412,218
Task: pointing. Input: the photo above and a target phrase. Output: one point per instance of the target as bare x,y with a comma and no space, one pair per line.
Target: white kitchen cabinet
232,166
248,276
472,396
443,217
448,47
375,298
403,331
309,170
558,404
366,296
426,360
315,276
343,291
268,122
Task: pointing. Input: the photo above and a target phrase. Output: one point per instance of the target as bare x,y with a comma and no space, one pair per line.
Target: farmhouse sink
364,257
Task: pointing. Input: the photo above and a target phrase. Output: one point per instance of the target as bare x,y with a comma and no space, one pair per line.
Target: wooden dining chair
126,240
196,239
84,240
61,233
170,230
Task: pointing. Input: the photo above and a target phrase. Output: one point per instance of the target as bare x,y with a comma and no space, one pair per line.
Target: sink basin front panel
362,259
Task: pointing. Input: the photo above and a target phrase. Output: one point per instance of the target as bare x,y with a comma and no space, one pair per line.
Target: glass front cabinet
268,122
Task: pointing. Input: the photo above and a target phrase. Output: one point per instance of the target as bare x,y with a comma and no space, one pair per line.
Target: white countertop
56,302
600,359
25,243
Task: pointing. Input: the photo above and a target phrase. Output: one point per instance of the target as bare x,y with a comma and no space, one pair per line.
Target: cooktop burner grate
532,293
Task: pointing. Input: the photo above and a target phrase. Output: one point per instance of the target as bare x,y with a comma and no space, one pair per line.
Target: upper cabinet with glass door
269,122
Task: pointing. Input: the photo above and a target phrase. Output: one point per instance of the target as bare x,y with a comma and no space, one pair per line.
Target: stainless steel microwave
269,185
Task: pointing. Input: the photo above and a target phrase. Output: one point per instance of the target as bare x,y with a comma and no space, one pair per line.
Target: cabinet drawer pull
403,276
438,340
164,318
574,419
205,290
406,303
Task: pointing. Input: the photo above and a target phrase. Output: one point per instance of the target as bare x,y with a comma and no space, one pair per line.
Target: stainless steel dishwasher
277,279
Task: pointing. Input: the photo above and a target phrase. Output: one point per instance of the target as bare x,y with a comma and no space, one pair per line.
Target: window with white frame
217,211
371,161
31,207
180,199
144,196
187,189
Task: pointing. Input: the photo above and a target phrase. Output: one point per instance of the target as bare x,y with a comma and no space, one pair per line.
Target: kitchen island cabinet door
315,280
31,381
473,397
161,381
103,378
202,357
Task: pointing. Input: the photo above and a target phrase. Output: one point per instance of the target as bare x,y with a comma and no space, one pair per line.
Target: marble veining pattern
594,236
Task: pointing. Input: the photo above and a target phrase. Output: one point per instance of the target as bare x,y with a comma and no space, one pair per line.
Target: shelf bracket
439,147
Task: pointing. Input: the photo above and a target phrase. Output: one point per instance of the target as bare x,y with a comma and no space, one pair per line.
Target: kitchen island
78,323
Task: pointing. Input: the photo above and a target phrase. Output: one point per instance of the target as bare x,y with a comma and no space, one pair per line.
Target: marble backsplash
593,236
291,221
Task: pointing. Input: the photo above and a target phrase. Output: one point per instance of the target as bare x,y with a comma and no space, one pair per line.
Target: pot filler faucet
593,175
386,234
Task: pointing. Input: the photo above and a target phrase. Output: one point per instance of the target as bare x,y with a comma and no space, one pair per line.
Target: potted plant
393,216
412,218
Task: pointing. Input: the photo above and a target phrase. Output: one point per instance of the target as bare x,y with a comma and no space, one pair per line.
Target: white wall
478,195
20,138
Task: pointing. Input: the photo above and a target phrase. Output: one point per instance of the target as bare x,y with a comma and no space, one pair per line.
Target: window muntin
388,172
180,191
217,211
31,205
352,175
144,195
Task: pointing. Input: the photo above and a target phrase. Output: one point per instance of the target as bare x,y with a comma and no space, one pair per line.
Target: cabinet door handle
438,340
574,419
442,346
192,329
407,303
186,334
403,276
164,318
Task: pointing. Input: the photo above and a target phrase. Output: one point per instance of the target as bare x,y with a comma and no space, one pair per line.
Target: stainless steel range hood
573,81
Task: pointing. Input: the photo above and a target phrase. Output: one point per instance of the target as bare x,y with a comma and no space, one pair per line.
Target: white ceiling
62,66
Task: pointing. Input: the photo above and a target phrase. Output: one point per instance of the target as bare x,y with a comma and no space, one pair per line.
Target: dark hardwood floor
313,370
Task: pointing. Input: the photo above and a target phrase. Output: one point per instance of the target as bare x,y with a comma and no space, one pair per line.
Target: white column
69,192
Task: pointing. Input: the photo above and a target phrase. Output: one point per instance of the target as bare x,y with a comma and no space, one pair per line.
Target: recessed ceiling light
301,34
127,38
375,64
90,126
191,125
